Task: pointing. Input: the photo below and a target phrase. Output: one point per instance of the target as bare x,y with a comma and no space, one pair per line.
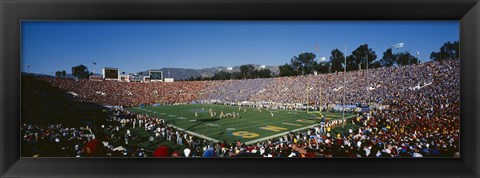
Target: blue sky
134,46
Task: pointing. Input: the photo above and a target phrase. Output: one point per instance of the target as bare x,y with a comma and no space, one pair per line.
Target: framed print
239,88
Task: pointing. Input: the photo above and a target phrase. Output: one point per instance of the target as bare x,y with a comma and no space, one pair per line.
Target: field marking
284,133
245,134
213,125
292,124
273,128
194,134
279,134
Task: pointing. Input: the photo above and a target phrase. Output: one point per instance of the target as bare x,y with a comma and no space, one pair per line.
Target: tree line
79,71
305,63
361,58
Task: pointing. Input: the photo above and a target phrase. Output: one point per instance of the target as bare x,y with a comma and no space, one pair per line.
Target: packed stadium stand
422,118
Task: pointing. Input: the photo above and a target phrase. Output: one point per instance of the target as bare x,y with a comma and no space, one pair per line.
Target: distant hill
184,73
180,73
38,75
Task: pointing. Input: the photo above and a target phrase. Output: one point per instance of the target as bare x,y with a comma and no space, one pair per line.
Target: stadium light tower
320,99
28,68
323,63
418,53
368,81
344,73
326,82
229,69
398,46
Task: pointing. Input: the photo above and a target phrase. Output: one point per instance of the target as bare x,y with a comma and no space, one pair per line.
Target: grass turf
253,125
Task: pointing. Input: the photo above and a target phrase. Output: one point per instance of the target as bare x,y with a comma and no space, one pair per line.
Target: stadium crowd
113,93
238,90
422,119
55,140
380,86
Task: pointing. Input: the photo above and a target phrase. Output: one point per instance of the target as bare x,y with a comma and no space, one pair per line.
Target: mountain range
182,73
185,73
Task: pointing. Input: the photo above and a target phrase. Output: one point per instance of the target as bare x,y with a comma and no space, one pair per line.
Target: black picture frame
14,11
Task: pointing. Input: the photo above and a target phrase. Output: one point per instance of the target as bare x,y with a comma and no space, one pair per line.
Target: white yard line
278,135
194,134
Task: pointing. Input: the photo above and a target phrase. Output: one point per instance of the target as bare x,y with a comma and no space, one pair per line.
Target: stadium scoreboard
155,75
111,73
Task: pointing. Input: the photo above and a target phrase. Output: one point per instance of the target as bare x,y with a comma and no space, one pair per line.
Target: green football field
253,126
